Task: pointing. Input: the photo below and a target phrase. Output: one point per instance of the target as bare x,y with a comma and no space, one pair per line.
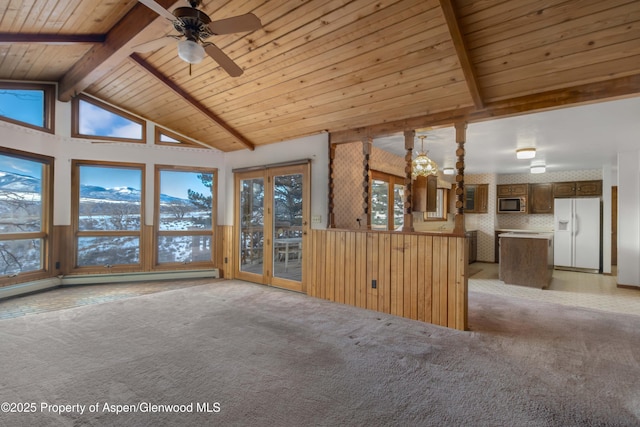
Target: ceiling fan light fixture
525,153
190,51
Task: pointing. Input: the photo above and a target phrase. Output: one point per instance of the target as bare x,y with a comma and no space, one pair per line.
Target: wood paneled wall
419,276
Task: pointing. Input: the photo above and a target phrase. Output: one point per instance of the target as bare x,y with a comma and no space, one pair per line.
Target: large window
96,120
30,105
25,213
386,201
108,213
185,215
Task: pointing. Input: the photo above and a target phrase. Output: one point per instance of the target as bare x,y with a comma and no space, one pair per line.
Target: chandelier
423,165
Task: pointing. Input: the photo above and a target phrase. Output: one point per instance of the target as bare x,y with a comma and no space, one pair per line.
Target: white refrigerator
577,233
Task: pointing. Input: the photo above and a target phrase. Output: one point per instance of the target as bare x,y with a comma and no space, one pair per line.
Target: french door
272,221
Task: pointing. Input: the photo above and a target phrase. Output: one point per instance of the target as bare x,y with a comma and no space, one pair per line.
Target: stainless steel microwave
512,204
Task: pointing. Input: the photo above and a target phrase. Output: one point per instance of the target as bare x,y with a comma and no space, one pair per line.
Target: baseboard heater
93,279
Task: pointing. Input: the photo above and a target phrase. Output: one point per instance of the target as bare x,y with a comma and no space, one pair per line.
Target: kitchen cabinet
526,259
541,198
476,198
424,193
472,238
510,190
577,188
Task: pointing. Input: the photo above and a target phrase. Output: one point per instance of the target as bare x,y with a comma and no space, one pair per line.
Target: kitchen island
526,259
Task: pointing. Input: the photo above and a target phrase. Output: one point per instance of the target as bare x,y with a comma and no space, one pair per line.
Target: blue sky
23,105
19,166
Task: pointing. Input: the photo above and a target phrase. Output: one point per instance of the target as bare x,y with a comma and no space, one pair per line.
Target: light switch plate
316,219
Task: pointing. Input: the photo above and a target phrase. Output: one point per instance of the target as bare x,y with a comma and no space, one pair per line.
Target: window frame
75,219
49,104
45,233
429,216
75,120
157,233
392,181
182,141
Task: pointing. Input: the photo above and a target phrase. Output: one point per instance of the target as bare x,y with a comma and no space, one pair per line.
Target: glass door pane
287,226
398,206
252,225
379,204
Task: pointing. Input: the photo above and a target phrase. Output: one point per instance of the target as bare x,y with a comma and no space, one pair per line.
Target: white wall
313,147
629,218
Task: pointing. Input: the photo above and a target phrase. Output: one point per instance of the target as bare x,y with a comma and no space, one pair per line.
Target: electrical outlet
316,219
374,283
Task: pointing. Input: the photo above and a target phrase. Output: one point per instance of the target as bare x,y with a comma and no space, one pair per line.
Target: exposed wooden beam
461,50
103,58
51,39
555,99
191,100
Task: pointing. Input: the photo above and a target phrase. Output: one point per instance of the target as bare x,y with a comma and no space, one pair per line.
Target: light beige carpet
265,357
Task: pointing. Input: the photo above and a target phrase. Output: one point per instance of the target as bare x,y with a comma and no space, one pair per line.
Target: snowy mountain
11,182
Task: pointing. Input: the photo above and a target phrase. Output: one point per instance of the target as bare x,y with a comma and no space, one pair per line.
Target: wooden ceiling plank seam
10,14
575,95
580,27
11,62
584,61
101,59
459,44
304,46
564,15
498,13
16,25
555,81
196,104
348,118
474,7
364,104
294,67
49,17
447,66
318,72
115,14
561,49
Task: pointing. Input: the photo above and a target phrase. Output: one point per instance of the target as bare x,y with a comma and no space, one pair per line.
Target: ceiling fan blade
221,58
237,24
152,45
158,9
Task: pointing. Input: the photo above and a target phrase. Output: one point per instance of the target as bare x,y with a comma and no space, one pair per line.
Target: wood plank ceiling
350,67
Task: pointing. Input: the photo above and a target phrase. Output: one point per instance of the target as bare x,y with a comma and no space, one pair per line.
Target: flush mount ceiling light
538,169
423,165
190,51
525,153
448,171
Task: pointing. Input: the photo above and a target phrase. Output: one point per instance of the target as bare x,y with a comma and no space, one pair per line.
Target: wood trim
418,276
191,101
550,100
461,50
105,57
51,39
75,120
49,104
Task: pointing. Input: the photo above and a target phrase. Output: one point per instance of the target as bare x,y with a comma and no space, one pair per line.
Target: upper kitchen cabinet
424,193
541,198
577,188
510,190
476,198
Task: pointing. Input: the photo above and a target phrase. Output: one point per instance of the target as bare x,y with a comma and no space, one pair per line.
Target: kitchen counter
526,259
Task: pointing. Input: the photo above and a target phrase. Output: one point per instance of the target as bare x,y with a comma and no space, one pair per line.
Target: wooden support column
409,137
366,151
461,136
331,220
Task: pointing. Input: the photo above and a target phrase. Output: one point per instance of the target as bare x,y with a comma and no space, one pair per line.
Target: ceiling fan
195,26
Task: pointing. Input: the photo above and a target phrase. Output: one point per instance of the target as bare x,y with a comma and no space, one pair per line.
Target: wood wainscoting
414,275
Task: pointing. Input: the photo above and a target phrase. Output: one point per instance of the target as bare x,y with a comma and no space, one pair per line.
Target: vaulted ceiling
353,68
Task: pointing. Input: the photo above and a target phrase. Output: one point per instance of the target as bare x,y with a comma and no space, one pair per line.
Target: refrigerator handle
576,224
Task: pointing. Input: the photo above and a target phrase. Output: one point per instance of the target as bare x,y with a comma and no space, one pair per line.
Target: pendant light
422,165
